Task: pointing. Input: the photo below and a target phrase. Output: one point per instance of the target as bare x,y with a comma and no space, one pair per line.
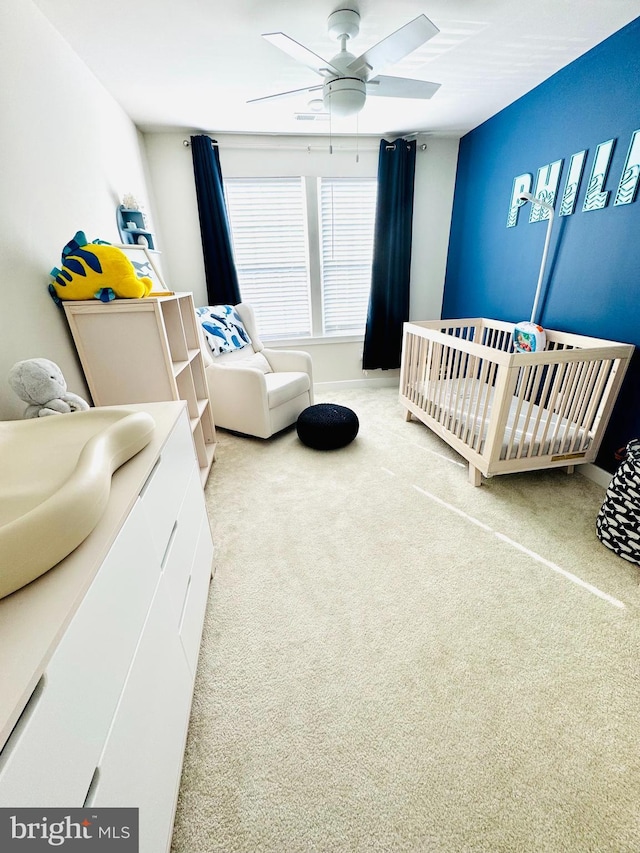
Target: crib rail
505,410
453,387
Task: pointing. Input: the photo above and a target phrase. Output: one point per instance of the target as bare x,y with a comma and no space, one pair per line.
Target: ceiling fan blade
286,94
301,53
395,47
401,87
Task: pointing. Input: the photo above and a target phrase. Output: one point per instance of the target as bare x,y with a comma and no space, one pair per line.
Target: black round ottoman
327,426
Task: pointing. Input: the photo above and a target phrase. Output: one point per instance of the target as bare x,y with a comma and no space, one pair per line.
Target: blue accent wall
592,282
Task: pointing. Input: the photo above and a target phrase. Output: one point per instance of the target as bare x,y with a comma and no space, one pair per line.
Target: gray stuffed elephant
40,383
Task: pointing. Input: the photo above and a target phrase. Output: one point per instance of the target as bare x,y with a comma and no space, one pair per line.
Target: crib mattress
464,408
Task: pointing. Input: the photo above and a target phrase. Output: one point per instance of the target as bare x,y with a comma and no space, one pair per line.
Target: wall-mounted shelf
132,225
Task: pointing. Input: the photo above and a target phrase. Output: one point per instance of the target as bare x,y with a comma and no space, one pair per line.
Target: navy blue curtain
219,266
389,296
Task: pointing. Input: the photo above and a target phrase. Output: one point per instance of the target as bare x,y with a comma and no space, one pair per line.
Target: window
269,235
303,249
347,216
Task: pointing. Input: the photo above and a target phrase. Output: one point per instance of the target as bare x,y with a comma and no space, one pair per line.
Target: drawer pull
184,606
88,800
22,721
167,550
147,482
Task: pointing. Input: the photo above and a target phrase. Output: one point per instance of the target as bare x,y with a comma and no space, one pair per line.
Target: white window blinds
297,292
347,217
269,235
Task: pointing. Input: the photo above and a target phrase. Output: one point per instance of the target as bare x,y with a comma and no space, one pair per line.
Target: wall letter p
521,184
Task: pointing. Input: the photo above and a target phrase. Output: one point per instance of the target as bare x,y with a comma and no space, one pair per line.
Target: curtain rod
266,146
392,146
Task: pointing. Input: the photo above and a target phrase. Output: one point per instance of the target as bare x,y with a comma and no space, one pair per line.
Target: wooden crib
505,411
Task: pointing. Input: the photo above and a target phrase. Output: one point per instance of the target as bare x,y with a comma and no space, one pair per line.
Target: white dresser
98,656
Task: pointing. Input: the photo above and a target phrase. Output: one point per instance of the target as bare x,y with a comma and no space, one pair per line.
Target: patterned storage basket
618,522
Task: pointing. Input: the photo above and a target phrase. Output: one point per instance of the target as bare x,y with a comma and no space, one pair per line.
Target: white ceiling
193,64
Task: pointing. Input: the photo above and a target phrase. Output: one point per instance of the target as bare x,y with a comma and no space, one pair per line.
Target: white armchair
255,390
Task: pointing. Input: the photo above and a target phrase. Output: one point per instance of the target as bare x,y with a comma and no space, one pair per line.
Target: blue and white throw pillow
223,329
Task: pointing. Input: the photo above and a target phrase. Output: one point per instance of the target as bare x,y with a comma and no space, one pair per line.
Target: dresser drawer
178,558
142,758
164,491
195,602
51,754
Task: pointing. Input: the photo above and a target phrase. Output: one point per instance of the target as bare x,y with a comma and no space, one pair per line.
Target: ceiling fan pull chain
330,133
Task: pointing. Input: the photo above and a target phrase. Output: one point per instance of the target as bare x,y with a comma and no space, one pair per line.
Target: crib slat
582,435
455,399
608,384
475,396
425,355
530,387
527,445
551,428
540,396
559,430
552,404
488,392
416,367
577,395
467,397
523,374
503,391
574,399
436,377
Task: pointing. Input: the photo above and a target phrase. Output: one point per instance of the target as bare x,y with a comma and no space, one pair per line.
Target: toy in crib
529,337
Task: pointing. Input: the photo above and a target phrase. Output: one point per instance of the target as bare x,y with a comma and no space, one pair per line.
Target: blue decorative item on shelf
132,225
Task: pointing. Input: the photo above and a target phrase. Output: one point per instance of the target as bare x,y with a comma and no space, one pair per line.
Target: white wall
171,171
432,206
68,154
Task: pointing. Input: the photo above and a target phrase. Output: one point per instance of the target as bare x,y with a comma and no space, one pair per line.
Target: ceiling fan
349,79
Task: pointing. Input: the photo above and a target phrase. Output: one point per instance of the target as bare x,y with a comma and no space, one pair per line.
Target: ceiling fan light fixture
344,96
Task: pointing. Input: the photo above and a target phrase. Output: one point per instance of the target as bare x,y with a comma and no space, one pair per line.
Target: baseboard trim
595,474
357,383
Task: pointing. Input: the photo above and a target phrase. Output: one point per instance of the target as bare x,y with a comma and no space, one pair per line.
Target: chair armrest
289,360
239,399
237,381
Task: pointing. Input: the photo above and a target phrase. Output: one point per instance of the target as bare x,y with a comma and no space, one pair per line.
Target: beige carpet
395,661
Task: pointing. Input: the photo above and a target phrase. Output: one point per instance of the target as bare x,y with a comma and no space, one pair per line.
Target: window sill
323,341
